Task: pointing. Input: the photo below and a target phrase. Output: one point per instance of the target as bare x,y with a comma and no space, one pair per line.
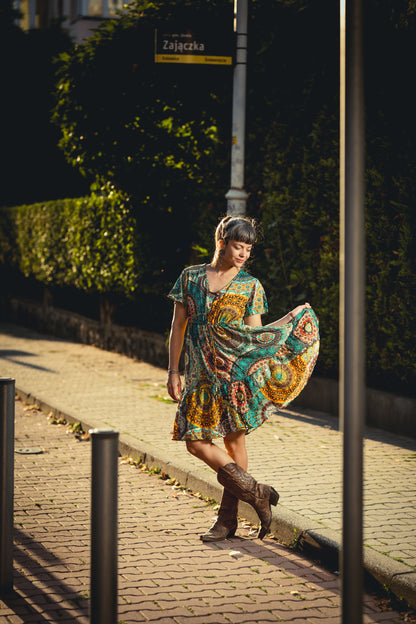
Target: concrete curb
292,528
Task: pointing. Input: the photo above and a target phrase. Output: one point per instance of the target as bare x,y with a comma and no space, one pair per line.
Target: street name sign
191,47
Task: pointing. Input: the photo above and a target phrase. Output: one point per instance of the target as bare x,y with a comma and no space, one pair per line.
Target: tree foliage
150,130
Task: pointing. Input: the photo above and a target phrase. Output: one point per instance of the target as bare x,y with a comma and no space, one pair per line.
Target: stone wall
134,343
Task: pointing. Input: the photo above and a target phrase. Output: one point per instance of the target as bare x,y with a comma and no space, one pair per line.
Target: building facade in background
78,17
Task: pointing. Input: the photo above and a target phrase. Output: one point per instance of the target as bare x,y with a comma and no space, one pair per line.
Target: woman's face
235,254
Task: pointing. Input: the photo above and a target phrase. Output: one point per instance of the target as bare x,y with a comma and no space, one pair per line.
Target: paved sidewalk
166,574
299,452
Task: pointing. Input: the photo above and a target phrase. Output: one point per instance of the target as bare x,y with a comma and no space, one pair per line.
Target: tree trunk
107,310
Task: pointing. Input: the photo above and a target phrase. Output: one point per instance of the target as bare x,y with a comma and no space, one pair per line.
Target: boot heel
274,496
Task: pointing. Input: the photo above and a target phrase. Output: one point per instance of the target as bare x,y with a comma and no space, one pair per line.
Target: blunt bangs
240,230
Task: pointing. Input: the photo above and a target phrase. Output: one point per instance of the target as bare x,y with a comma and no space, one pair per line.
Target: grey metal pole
352,305
104,549
7,388
237,196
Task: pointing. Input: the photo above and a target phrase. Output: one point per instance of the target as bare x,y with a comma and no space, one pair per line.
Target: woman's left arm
290,315
254,320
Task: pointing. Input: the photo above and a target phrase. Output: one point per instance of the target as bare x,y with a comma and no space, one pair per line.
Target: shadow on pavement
295,563
327,421
29,598
12,355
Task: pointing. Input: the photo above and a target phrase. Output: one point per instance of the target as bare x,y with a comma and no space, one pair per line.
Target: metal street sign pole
237,196
352,304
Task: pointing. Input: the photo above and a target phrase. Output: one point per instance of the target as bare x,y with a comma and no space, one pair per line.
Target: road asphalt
165,573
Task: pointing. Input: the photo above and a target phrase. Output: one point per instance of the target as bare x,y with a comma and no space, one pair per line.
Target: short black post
7,387
104,549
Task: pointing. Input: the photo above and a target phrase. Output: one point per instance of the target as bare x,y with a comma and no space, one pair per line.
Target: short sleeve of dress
178,291
257,303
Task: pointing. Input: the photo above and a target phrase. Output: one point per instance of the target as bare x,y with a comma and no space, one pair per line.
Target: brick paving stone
319,620
214,618
260,618
156,612
165,572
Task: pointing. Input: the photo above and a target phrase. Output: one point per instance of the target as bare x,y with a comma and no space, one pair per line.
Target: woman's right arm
176,338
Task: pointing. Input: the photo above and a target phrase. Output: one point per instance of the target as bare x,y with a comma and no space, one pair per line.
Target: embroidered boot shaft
226,523
242,485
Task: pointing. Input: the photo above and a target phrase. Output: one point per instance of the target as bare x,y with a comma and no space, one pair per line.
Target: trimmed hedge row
301,231
88,243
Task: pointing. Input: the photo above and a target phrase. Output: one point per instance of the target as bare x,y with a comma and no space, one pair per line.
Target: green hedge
301,239
88,243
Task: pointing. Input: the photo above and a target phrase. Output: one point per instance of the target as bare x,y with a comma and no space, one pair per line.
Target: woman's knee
194,447
235,442
235,445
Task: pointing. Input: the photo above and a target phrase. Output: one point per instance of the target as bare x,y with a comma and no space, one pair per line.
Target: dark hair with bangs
241,229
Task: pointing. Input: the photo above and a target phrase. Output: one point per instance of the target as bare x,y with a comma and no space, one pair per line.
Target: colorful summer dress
236,375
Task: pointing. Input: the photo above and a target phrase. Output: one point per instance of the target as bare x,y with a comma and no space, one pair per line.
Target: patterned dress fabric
236,375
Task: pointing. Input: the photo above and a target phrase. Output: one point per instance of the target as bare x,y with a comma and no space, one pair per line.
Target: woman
236,370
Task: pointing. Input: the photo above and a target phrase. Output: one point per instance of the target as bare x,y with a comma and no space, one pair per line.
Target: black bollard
352,405
104,493
6,484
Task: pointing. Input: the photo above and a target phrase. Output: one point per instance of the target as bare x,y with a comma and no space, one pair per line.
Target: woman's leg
215,457
208,452
236,481
235,444
226,522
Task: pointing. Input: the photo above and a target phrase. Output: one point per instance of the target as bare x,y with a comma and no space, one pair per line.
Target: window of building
100,8
114,6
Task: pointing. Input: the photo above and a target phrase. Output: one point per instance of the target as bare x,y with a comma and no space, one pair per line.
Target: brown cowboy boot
242,485
226,523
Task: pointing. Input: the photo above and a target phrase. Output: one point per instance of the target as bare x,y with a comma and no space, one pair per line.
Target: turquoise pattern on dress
236,375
